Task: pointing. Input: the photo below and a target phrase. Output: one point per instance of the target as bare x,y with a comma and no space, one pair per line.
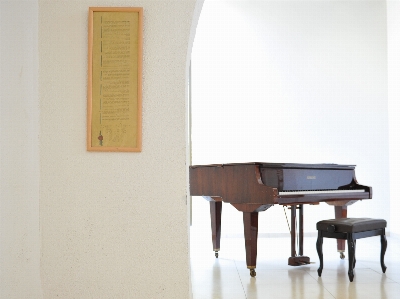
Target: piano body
255,187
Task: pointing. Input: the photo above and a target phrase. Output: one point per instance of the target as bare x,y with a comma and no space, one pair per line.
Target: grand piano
255,187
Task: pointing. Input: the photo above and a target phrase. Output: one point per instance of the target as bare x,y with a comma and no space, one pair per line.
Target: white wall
293,81
393,12
112,225
19,149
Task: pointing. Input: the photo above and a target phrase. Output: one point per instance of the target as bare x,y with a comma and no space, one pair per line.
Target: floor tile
228,277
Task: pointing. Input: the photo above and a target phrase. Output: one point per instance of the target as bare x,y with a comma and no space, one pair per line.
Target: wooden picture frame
114,95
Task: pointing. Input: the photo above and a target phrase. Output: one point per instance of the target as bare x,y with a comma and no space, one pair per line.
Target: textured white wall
293,81
114,225
19,149
393,13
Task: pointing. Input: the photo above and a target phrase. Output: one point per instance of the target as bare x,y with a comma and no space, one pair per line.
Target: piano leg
341,212
297,260
250,223
301,230
215,213
293,230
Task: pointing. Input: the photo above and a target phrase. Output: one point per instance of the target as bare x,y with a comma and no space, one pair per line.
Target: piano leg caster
342,256
216,253
253,273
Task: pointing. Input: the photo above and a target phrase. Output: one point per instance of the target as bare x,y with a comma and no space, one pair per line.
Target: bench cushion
351,225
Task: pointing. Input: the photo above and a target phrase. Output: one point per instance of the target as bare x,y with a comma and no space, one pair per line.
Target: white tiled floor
228,276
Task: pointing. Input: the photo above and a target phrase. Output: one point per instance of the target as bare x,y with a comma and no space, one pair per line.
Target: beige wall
113,225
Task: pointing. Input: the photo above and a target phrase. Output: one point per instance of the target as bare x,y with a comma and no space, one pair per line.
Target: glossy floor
228,276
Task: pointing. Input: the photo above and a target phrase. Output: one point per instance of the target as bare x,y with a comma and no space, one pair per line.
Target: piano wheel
342,256
216,254
252,273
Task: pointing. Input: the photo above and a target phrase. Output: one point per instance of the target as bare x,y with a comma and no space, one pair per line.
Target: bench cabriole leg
354,259
351,248
383,250
320,254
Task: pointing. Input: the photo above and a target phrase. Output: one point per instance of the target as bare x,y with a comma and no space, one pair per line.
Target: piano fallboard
287,177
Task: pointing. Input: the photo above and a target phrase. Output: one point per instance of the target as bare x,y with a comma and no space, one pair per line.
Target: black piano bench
351,229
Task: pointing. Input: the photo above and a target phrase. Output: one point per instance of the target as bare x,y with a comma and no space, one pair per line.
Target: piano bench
351,229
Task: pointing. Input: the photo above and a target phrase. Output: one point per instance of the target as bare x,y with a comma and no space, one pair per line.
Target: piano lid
308,166
285,165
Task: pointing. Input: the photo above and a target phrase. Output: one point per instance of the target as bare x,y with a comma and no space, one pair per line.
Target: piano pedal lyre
298,260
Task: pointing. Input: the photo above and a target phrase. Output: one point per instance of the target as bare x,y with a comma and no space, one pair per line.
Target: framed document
114,120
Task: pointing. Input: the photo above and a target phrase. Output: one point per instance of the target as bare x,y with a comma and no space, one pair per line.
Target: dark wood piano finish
255,187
